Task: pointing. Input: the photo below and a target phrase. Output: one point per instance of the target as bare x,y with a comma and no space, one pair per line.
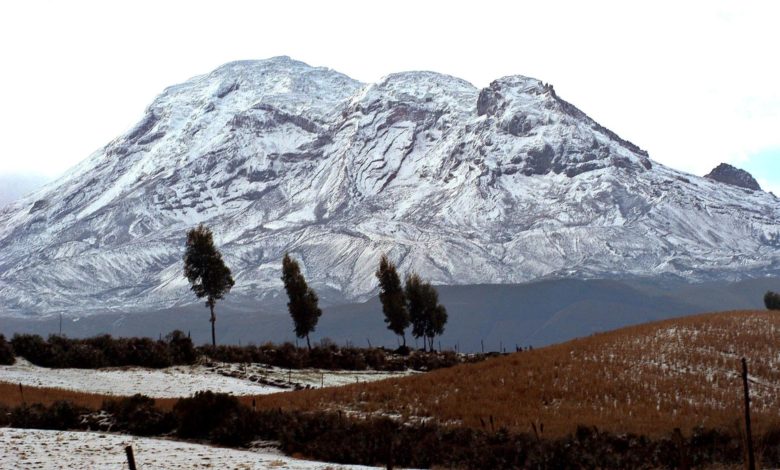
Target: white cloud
693,82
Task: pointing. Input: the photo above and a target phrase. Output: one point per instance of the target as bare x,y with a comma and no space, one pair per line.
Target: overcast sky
694,83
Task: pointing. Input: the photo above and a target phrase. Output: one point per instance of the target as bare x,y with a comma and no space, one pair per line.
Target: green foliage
416,304
208,275
427,315
216,416
303,300
105,351
391,294
772,301
332,357
138,415
333,437
180,348
6,352
61,415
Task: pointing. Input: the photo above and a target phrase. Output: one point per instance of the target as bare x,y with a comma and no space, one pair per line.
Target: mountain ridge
277,156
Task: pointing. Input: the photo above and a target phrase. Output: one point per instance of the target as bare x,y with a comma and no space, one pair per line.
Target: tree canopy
303,300
205,270
772,301
391,294
427,315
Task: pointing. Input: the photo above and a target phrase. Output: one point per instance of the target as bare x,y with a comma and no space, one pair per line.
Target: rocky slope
728,174
466,186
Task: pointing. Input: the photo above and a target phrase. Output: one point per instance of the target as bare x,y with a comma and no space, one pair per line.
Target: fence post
130,457
751,458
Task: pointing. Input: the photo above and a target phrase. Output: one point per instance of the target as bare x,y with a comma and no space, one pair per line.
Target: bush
217,416
33,348
332,357
6,352
180,348
772,301
5,416
137,415
105,351
61,415
236,430
335,438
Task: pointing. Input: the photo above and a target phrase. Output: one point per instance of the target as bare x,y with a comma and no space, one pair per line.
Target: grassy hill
647,379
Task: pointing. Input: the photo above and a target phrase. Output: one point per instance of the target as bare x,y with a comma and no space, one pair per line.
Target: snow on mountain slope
500,185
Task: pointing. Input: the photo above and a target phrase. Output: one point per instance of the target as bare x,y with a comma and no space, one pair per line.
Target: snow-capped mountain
501,185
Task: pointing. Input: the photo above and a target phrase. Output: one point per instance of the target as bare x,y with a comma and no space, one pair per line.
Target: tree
438,318
391,294
303,300
208,275
427,315
415,305
772,301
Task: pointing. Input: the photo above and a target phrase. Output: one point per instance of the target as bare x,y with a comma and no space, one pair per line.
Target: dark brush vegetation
60,415
105,351
772,301
139,416
177,349
6,352
334,437
332,357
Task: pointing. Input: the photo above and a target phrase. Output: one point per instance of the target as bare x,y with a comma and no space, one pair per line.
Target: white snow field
182,381
38,449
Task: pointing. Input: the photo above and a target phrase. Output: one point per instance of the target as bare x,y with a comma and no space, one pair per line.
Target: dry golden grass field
647,379
11,396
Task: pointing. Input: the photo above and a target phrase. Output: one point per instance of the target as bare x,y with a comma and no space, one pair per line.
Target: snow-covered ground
37,449
181,381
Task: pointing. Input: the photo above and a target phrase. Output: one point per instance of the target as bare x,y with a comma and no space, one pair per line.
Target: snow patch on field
182,381
37,449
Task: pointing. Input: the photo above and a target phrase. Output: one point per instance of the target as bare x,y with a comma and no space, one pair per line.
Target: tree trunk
308,343
213,332
403,335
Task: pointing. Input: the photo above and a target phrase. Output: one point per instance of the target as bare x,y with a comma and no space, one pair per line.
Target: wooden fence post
130,457
751,458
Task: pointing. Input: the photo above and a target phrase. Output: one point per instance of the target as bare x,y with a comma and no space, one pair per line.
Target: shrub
180,348
61,415
237,429
217,416
335,438
772,301
33,348
138,415
6,352
5,416
105,351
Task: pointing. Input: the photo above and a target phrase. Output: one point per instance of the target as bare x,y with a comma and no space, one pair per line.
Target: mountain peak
728,174
463,186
